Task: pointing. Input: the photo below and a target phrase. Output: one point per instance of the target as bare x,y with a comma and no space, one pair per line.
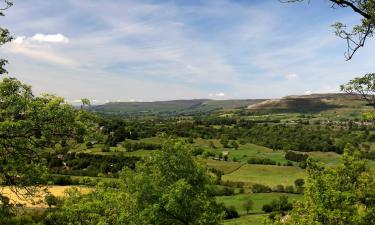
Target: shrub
296,157
260,188
51,200
263,161
280,188
289,189
279,205
230,212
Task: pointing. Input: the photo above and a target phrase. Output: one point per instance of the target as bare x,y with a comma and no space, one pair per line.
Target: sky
149,50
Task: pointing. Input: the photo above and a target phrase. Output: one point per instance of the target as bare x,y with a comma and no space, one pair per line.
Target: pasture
266,174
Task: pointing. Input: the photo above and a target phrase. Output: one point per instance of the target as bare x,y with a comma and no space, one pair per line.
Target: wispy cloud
156,50
50,38
291,76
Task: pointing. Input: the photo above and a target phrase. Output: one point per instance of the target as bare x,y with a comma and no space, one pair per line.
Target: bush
230,212
106,148
260,188
263,161
289,189
296,157
51,200
197,151
280,188
279,205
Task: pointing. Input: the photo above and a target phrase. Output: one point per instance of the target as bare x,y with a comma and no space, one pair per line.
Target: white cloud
36,47
50,38
19,40
291,76
307,92
221,94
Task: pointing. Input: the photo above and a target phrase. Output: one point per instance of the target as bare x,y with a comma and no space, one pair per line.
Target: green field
251,219
259,200
266,174
226,167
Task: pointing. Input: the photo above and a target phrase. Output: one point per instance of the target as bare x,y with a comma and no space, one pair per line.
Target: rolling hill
297,103
310,103
174,107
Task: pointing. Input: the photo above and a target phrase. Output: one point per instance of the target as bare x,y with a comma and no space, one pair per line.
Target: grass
250,219
244,152
226,167
259,200
37,201
266,174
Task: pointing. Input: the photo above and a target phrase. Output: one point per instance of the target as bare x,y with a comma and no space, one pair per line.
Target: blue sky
144,50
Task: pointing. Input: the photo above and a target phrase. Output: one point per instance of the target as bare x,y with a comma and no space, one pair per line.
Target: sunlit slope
312,103
175,107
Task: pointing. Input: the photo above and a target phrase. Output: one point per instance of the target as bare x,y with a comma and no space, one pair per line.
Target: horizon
151,50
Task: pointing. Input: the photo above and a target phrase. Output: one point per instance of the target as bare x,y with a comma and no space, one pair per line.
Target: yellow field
38,200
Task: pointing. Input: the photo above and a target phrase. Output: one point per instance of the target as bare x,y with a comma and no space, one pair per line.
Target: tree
167,188
51,200
299,183
364,86
234,145
342,195
224,140
4,35
248,205
356,38
29,127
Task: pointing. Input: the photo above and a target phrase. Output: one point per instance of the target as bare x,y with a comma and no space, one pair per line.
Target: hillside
310,103
297,103
174,107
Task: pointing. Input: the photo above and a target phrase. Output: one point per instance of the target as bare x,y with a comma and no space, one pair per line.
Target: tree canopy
342,195
167,188
4,36
30,126
358,35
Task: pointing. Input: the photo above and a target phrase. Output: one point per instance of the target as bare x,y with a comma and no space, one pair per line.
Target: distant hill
174,107
309,103
297,103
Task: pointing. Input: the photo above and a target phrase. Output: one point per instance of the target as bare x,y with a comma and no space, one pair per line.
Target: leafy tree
342,195
364,86
231,212
224,140
167,188
234,145
299,183
4,35
248,205
51,200
29,127
357,37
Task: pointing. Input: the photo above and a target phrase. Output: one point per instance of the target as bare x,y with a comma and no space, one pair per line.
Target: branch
345,3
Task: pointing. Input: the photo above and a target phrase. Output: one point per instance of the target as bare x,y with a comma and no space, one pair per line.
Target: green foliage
231,212
342,195
51,200
224,140
260,188
263,161
364,86
359,33
248,205
167,188
280,205
4,35
30,126
295,156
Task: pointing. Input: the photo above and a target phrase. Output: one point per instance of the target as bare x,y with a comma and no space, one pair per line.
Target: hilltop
313,103
174,107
